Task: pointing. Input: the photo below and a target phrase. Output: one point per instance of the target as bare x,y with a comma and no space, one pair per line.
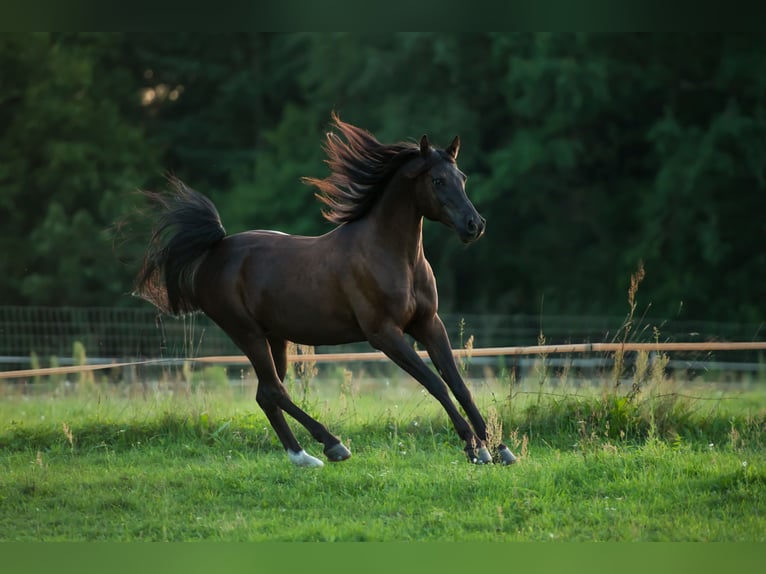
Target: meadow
654,459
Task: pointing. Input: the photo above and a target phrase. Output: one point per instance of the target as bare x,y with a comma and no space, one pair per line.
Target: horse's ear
454,147
425,147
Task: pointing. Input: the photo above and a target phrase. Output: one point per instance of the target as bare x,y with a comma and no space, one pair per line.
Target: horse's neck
396,221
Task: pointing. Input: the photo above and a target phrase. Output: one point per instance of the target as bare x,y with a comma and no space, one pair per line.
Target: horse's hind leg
253,342
334,450
267,397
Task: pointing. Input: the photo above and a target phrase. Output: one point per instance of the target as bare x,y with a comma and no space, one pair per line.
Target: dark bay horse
367,279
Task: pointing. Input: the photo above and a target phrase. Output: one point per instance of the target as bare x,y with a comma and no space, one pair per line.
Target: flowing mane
361,167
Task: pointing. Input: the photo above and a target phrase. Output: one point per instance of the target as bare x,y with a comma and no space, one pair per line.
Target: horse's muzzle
473,228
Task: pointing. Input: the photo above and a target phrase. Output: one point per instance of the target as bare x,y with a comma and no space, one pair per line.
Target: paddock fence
38,339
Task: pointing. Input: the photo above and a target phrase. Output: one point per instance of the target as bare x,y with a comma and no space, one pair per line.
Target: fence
113,333
129,334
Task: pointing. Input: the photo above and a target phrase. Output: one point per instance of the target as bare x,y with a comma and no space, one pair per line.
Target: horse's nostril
475,225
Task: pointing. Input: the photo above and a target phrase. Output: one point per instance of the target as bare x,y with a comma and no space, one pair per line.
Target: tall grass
634,401
566,417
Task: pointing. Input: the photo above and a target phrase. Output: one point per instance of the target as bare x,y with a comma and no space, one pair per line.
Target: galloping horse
367,279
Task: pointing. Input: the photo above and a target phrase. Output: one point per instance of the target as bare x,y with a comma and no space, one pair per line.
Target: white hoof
302,458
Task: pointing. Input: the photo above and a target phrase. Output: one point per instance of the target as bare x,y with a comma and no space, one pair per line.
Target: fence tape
378,356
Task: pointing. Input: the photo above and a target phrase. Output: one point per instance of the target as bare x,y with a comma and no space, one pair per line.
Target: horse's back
288,284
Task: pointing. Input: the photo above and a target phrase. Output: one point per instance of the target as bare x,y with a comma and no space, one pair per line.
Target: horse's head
440,190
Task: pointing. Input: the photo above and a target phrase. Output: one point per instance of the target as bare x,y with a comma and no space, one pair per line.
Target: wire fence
36,335
105,332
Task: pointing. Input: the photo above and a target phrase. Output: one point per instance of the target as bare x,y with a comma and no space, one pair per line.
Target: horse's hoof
506,456
480,456
337,453
484,456
302,458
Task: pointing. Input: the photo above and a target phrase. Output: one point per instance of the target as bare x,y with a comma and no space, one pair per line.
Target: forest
589,155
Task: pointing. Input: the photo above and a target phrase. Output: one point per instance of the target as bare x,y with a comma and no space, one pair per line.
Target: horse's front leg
390,339
433,336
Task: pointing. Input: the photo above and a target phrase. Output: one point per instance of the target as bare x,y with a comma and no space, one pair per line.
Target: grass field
673,462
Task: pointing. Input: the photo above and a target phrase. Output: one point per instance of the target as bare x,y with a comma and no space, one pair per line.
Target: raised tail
187,226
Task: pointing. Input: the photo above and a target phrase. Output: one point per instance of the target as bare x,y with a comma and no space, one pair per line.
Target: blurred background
588,154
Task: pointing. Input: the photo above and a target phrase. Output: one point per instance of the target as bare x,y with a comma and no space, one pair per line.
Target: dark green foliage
71,151
586,153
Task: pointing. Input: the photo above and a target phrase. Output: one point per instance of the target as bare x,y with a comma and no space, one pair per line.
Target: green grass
126,463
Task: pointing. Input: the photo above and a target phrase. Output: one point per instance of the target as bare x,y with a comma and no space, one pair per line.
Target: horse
366,279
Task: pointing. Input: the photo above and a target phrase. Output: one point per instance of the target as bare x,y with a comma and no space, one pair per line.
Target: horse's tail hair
187,225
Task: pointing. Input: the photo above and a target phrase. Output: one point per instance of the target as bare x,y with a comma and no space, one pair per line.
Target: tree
67,156
587,153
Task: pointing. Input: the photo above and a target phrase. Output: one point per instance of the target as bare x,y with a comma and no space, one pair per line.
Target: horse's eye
437,181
